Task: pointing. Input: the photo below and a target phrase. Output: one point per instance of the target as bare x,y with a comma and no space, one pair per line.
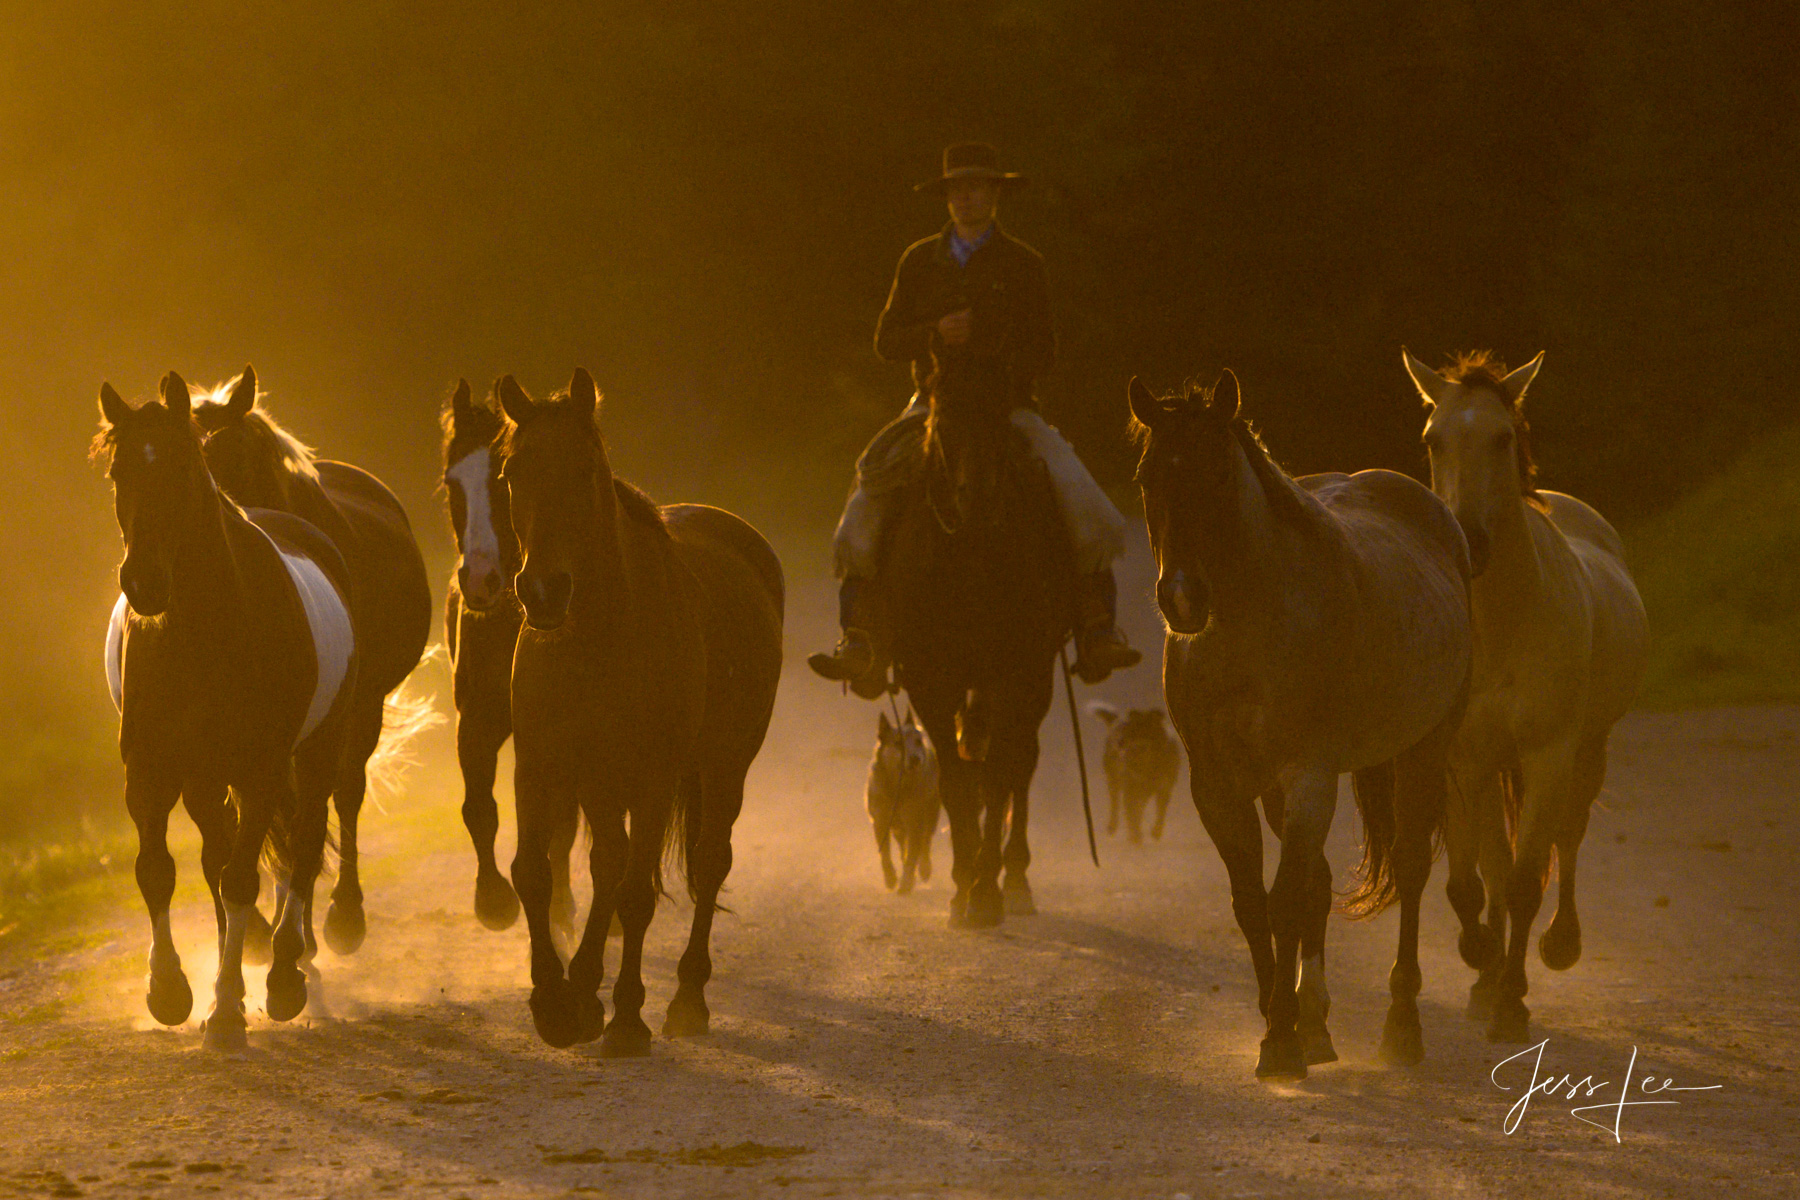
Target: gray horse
1315,626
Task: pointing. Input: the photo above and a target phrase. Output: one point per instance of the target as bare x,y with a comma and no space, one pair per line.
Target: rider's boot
1100,646
861,660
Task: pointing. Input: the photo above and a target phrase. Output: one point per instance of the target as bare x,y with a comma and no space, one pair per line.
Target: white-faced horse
1560,640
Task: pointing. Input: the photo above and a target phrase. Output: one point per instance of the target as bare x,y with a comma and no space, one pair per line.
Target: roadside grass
46,891
1720,576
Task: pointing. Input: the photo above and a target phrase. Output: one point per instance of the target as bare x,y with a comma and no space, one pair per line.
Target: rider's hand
954,328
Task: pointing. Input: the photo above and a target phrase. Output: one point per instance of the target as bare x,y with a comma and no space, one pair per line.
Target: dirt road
861,1048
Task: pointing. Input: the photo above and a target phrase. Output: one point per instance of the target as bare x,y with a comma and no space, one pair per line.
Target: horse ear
176,397
1143,404
1225,398
1105,712
243,395
1431,385
887,727
513,400
1516,383
113,409
583,394
462,406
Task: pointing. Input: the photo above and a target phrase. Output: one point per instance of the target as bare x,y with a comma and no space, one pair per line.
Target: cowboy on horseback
970,303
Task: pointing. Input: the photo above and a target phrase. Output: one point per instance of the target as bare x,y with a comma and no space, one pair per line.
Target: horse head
968,436
1478,441
480,516
1188,473
559,486
160,485
253,460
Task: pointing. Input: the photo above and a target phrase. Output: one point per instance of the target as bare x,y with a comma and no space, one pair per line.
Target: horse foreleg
345,925
1560,947
626,1034
1546,776
1162,812
1019,901
151,790
1236,833
587,968
562,893
1312,801
541,805
480,732
259,799
1475,844
1112,808
987,907
720,796
1420,792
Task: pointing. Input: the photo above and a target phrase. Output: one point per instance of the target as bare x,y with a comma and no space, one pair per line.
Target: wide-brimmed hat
971,160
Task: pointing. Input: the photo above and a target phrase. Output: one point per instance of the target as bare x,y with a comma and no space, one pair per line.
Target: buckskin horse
1560,642
232,658
482,617
260,465
642,688
1315,626
979,578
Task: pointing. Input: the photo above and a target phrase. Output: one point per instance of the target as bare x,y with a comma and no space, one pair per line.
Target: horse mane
1483,369
270,444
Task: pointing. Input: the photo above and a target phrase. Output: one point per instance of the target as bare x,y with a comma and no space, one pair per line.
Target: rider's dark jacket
1011,340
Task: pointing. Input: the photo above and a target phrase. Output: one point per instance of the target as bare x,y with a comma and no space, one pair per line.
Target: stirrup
855,662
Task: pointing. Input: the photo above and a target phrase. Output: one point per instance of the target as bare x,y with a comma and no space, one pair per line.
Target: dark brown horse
1315,626
642,688
979,575
232,659
482,617
259,465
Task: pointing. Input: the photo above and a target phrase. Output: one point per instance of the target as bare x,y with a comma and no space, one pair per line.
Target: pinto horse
1560,643
642,688
980,573
1315,626
232,658
260,465
482,617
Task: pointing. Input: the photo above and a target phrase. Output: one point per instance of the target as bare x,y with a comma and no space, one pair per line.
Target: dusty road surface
861,1048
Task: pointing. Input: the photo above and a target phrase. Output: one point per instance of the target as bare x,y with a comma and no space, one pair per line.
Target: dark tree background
703,202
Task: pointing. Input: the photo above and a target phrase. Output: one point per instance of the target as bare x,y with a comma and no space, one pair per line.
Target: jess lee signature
1586,1088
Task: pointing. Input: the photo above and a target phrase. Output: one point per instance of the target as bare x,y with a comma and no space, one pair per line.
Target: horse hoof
1478,946
226,1031
554,1016
888,877
259,937
626,1037
287,993
1511,1022
903,888
987,908
1560,947
959,911
1281,1058
1402,1041
688,1017
1482,998
1018,900
496,904
169,997
1317,1047
590,1018
345,928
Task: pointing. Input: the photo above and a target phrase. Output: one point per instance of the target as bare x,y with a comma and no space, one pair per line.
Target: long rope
1087,806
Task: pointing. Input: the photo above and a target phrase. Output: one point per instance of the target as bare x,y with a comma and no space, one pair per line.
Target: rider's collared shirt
960,249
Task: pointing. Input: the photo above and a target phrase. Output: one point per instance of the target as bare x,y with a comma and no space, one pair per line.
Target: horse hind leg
626,1034
562,893
1420,792
716,802
1560,947
1547,776
345,924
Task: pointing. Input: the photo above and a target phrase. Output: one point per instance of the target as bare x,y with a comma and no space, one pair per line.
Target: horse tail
1512,793
681,835
1375,889
278,845
405,714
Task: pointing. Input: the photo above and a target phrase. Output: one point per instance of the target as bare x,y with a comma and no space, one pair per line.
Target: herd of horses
1462,651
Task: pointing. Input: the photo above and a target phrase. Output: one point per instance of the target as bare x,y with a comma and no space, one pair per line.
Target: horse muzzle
1184,601
546,598
146,589
481,587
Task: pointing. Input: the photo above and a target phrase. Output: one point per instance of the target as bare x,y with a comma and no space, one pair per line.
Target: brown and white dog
902,798
1142,760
